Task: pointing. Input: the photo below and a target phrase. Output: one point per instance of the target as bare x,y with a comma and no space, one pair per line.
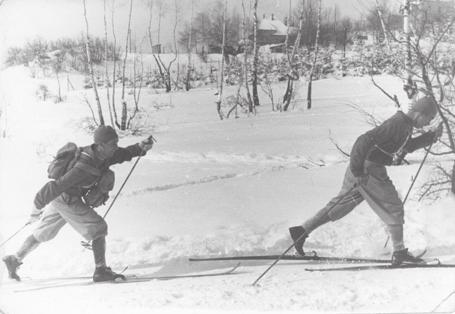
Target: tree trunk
245,61
256,56
106,81
90,67
223,43
114,65
188,70
291,77
316,48
124,104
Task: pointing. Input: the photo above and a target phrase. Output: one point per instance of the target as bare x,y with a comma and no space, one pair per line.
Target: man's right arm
52,189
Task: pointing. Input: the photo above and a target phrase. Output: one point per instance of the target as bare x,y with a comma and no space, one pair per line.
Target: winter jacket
78,180
381,143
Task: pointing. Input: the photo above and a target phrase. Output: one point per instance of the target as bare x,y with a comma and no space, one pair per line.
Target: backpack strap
85,162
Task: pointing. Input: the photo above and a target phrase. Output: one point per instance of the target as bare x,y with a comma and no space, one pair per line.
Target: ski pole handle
150,140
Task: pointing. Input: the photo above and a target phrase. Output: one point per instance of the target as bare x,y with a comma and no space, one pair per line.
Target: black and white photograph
227,156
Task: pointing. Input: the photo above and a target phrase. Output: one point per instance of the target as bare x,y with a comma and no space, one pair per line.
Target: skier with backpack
366,176
81,181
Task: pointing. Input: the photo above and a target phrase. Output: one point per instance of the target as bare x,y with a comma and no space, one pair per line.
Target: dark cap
425,105
104,134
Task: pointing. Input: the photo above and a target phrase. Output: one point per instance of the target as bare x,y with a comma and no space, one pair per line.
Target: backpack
69,156
64,160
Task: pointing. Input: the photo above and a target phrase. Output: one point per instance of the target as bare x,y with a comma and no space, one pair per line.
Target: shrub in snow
42,92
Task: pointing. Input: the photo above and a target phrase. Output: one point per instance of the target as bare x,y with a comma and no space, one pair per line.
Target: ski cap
104,134
425,105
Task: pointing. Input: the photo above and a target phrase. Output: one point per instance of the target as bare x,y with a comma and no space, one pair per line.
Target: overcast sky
21,20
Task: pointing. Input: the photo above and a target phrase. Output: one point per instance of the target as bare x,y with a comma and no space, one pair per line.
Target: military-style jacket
84,174
381,143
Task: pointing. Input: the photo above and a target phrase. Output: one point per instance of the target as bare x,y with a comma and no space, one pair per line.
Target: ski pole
7,240
412,184
301,237
150,139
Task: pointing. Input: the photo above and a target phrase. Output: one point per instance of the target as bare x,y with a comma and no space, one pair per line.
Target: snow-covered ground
212,187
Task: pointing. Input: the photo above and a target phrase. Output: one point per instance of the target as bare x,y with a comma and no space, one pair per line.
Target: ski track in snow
266,163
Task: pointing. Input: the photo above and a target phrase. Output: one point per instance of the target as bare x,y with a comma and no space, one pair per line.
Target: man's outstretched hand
147,144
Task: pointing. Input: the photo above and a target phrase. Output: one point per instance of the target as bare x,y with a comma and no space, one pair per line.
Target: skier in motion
73,195
366,176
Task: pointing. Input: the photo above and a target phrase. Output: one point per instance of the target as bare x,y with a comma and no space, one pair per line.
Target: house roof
274,25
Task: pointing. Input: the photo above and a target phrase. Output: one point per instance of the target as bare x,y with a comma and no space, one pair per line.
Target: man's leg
337,208
48,227
383,198
93,228
99,251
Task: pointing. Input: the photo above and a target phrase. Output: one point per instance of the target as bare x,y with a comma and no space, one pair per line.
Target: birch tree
189,67
315,56
255,55
123,121
106,67
114,64
292,74
220,89
90,67
245,58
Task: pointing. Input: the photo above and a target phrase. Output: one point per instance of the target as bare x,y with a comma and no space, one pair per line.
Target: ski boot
104,273
404,257
299,236
12,264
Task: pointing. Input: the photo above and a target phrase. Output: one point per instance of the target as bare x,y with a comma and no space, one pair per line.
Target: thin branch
394,98
337,146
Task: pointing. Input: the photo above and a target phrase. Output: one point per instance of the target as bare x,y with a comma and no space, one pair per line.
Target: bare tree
251,108
316,49
90,67
137,81
106,65
123,121
381,19
220,90
114,64
429,69
189,67
255,55
165,70
292,75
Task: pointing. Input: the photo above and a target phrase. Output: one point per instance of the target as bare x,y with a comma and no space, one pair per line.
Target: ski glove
147,144
35,215
438,132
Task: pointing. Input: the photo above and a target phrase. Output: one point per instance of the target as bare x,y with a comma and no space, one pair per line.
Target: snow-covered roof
275,25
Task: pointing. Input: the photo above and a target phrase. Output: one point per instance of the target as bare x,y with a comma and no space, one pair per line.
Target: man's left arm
123,154
423,140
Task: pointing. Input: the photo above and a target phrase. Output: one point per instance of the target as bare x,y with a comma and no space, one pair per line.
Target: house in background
438,9
273,32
